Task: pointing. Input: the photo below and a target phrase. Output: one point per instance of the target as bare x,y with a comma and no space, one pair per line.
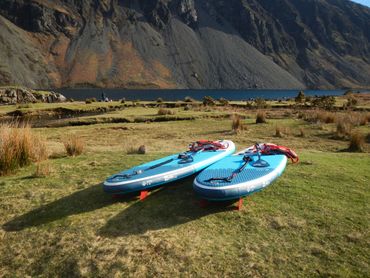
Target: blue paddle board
213,184
165,170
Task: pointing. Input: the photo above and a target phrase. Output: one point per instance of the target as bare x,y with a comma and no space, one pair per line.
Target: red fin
143,195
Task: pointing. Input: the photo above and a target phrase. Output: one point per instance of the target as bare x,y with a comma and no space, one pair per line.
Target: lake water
179,94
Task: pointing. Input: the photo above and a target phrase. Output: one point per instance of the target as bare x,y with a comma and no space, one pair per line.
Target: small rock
141,150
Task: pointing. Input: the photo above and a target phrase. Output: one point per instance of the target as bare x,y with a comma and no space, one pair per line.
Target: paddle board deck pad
167,169
239,175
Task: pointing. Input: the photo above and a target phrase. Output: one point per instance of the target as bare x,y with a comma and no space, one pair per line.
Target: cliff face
185,43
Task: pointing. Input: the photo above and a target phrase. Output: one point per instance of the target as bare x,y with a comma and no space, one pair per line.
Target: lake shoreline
180,94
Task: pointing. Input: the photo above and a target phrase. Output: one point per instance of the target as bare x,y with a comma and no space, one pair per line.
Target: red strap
206,145
268,148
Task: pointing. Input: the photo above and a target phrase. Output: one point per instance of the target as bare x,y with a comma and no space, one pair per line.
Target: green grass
313,221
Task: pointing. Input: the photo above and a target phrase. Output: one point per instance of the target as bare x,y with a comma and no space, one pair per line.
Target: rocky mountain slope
185,43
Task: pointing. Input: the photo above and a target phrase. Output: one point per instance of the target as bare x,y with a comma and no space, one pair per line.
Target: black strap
184,158
127,176
246,160
159,164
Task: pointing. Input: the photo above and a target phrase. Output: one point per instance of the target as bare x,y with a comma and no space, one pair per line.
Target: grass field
313,221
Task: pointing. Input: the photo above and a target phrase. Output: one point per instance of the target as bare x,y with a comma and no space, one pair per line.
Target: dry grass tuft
326,117
281,131
319,117
42,170
357,142
19,147
74,145
278,132
343,129
237,124
356,118
135,150
302,133
364,119
260,117
163,111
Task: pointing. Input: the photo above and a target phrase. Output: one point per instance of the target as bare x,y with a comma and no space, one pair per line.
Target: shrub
74,145
351,102
90,100
223,101
324,102
260,117
208,101
300,98
249,105
237,124
189,99
188,107
163,111
19,147
260,103
357,142
159,100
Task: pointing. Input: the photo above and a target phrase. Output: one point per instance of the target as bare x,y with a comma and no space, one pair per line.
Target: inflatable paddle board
244,173
200,155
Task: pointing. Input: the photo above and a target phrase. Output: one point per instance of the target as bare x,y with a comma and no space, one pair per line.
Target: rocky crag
18,95
185,43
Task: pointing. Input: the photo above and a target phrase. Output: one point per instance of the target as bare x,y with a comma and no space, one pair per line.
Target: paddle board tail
244,173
